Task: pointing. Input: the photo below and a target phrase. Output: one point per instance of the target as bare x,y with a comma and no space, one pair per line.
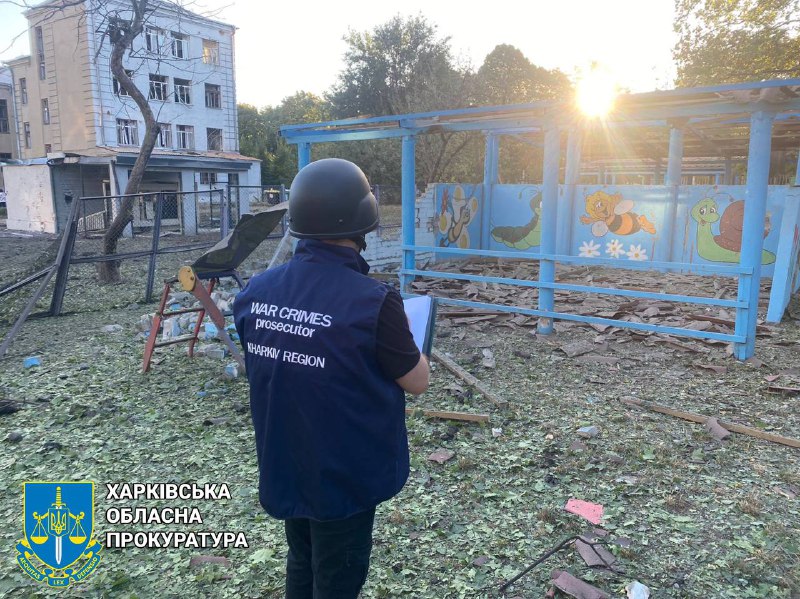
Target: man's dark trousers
328,560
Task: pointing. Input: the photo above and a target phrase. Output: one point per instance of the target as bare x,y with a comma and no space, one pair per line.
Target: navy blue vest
330,427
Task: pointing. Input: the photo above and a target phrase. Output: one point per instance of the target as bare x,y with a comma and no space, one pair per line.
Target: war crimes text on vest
302,317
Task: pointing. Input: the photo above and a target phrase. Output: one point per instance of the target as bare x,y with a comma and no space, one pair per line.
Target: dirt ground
684,513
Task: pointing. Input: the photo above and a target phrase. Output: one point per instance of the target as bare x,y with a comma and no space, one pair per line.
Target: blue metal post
672,179
303,154
755,211
409,197
567,203
489,179
547,267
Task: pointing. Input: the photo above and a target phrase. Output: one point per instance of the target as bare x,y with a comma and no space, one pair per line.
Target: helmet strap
360,241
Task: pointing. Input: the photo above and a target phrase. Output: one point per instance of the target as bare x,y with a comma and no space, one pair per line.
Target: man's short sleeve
397,352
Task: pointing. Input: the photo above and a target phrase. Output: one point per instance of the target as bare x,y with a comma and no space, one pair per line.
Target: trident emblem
56,518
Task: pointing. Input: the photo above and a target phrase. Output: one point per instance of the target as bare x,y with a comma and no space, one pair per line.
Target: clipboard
421,313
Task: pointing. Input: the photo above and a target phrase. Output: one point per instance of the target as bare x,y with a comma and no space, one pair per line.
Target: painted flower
614,248
589,249
636,253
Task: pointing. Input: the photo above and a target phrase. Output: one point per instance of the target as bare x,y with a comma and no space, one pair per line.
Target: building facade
8,126
70,109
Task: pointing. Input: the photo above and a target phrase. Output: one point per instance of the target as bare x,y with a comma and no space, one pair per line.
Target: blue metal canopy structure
727,122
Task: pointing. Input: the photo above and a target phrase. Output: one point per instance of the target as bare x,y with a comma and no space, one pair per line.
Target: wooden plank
728,323
700,418
467,378
450,415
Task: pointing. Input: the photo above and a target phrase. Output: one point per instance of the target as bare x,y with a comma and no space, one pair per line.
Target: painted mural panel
710,221
623,222
786,279
516,218
458,215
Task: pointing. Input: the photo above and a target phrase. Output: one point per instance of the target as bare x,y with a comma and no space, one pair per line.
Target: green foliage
507,77
728,41
400,67
259,138
405,66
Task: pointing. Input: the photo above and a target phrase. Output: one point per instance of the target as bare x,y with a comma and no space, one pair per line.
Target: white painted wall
383,251
30,198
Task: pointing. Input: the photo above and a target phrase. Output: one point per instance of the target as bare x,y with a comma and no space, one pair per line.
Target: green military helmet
331,199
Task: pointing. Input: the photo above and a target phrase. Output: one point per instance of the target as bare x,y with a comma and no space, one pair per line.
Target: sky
289,46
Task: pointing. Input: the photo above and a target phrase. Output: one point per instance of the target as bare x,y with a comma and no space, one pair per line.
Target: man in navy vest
329,355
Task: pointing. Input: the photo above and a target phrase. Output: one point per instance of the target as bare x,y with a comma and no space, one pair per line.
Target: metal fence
166,229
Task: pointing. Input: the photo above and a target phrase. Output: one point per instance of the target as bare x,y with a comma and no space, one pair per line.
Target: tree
259,133
122,30
403,66
508,77
729,41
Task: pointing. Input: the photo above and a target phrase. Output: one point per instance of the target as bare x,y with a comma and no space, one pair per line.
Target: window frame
209,176
216,92
154,36
39,35
23,90
158,89
131,127
4,122
185,132
26,133
45,111
164,137
180,41
116,87
211,52
218,135
182,91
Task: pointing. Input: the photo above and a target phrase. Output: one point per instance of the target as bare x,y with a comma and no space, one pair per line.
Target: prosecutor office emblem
58,521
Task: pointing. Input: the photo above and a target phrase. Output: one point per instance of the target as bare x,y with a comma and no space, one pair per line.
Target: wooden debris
691,416
575,587
717,431
440,456
450,415
782,389
596,555
712,367
467,378
577,348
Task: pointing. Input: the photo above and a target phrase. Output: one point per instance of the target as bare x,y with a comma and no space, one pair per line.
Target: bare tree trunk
121,34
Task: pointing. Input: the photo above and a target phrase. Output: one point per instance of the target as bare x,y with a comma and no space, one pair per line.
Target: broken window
4,117
154,39
164,139
118,90
214,139
213,96
158,87
183,91
127,132
180,45
185,134
211,52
